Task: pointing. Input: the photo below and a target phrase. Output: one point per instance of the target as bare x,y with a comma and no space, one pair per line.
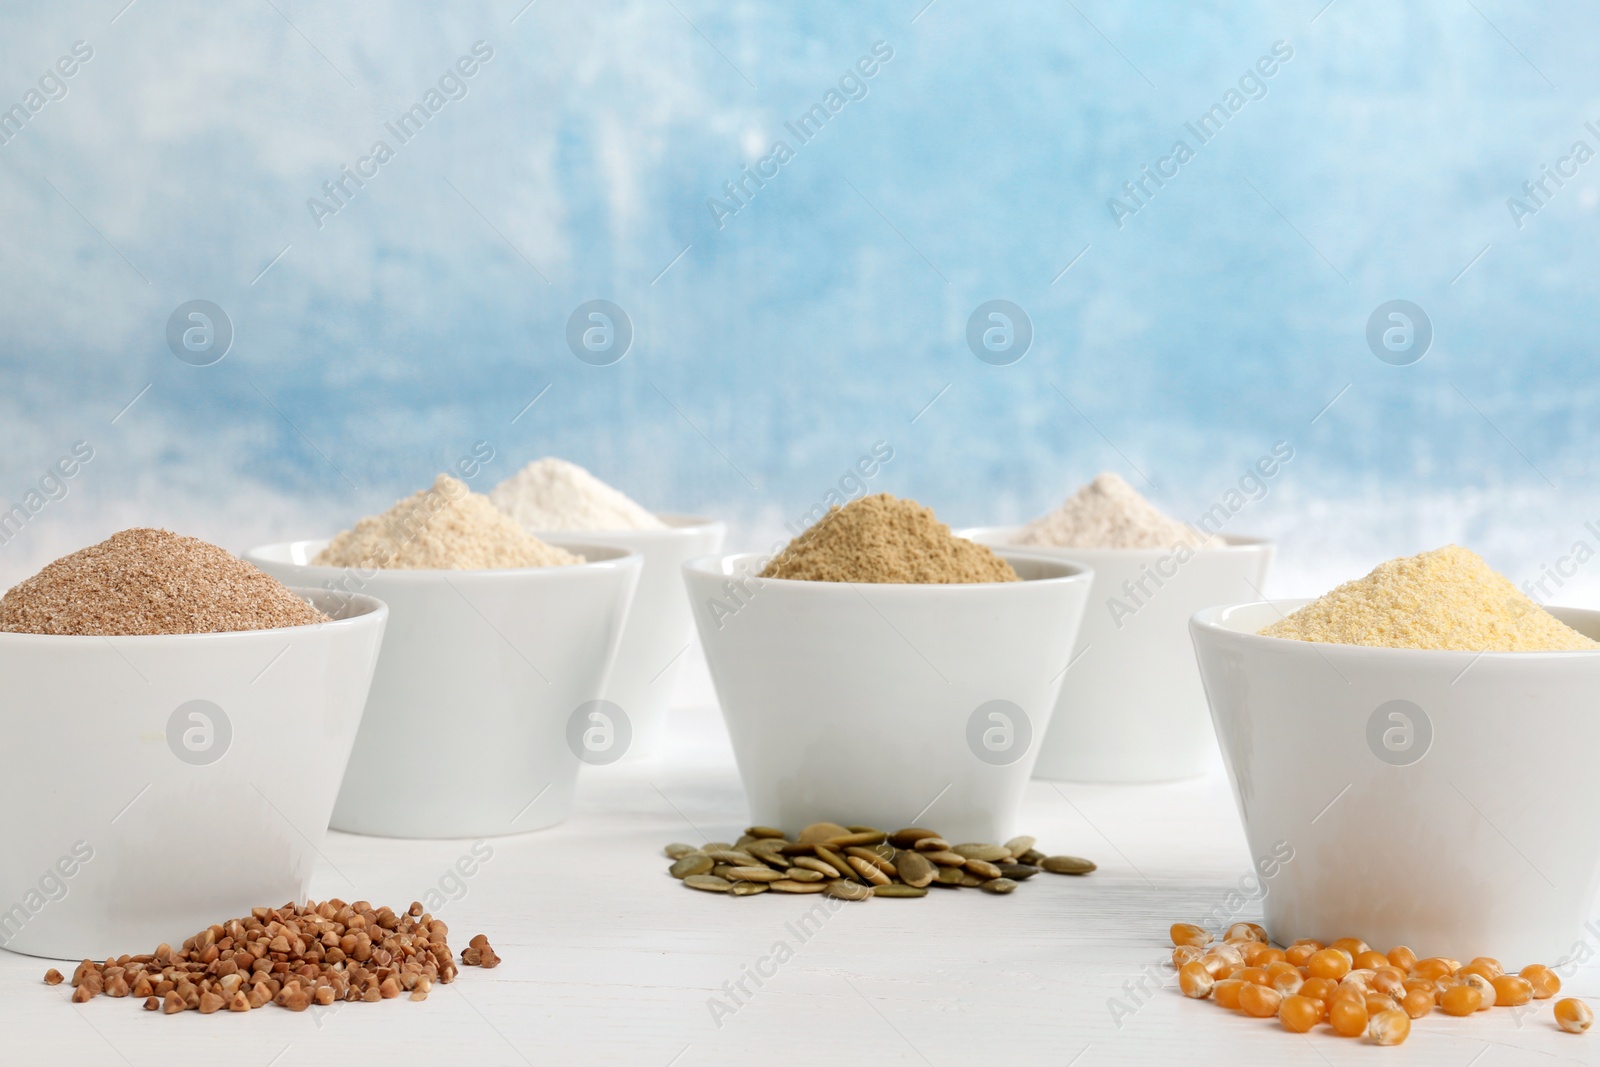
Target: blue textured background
828,312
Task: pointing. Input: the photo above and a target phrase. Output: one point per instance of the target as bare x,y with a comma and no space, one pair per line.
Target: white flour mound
1110,513
552,494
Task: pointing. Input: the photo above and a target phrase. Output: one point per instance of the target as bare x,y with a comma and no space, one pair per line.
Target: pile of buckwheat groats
293,956
860,862
1349,986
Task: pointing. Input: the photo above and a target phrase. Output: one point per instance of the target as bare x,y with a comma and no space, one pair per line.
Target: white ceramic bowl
660,628
890,705
1131,707
159,784
1441,800
465,733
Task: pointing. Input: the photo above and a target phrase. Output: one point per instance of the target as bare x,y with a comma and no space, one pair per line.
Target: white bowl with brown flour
163,781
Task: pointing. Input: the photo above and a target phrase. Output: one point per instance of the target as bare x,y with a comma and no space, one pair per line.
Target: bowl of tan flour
177,723
1131,707
497,642
560,502
881,670
1422,740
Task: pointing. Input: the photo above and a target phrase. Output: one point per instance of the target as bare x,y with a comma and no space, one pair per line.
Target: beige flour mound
1110,513
885,539
446,527
151,582
552,494
1445,599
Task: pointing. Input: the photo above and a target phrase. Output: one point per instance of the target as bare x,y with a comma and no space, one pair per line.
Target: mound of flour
1110,513
552,494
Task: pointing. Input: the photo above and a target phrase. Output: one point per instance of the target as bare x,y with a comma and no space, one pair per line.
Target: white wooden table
608,960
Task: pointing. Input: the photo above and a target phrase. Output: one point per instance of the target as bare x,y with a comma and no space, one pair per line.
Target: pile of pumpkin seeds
860,862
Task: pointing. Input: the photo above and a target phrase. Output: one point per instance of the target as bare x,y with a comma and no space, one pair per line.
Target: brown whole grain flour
146,581
883,539
1445,599
443,527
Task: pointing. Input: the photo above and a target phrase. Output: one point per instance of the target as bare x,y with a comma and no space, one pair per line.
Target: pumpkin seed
677,850
933,844
691,864
713,846
908,837
914,868
975,851
871,857
800,874
828,856
1031,857
770,856
970,880
736,856
1017,872
865,837
1018,845
983,868
1066,865
998,885
747,889
949,876
765,831
784,885
849,890
752,874
811,863
708,882
945,859
868,871
865,830
899,891
821,831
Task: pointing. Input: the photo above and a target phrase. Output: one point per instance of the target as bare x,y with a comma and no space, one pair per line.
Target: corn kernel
1328,963
1252,951
1488,966
1389,1027
1573,1015
1297,953
1512,991
1189,934
1545,982
1287,982
1485,988
1254,975
1348,1018
1402,957
1226,993
1377,1002
1417,1003
1459,1000
1186,954
1260,1001
1195,981
1353,945
1319,989
1371,960
1299,1014
1245,932
1434,967
1389,981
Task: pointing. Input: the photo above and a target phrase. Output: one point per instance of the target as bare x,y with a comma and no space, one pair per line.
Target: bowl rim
712,566
373,610
1235,544
678,526
614,556
1213,622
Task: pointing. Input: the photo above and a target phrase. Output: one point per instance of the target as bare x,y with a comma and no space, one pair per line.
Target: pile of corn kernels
1349,986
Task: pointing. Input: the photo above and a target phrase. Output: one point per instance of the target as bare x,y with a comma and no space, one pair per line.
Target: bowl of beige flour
1131,707
561,503
497,643
1419,743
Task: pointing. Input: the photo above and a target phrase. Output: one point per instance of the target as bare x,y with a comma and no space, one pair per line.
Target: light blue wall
827,312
